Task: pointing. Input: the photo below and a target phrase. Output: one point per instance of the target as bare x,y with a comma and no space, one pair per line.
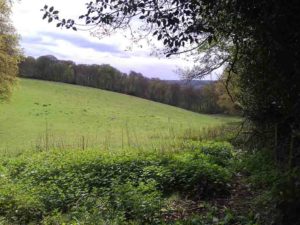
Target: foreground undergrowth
126,187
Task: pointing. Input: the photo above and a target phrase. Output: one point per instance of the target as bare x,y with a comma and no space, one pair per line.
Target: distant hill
198,84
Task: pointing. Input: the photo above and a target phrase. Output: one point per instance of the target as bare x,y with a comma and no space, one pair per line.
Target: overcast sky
40,38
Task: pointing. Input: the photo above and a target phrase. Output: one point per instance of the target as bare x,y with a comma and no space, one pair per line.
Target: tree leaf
45,15
159,37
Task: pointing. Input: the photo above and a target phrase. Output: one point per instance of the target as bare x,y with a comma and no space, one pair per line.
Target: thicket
98,187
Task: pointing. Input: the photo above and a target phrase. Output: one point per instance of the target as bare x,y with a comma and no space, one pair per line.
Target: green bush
220,153
92,185
123,203
139,203
18,204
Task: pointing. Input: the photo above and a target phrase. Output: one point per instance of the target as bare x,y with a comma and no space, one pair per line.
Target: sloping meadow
45,115
100,187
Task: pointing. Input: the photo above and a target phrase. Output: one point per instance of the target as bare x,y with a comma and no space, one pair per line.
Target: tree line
204,100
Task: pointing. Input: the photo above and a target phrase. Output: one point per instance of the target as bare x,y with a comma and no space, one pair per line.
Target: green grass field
45,114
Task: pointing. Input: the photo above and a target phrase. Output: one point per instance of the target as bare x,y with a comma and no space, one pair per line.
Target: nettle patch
64,186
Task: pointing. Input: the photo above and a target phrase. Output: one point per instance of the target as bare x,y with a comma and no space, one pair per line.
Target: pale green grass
50,114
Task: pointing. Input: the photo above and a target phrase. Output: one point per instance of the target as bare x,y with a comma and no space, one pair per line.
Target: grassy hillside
47,114
155,172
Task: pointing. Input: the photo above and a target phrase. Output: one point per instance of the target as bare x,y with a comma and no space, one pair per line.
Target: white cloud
40,38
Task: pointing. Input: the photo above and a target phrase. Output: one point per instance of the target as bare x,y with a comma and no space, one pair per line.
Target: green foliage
262,169
276,192
18,203
121,204
228,92
88,186
209,100
9,51
141,202
220,153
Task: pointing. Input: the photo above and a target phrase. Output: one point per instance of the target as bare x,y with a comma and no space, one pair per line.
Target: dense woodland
205,100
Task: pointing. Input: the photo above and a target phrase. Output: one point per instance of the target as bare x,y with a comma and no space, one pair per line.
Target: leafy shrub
123,202
92,186
18,204
278,201
261,169
140,203
220,153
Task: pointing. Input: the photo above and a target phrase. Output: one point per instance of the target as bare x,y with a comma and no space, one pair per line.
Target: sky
40,38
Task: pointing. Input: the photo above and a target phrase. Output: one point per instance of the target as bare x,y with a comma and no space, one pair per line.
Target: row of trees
206,100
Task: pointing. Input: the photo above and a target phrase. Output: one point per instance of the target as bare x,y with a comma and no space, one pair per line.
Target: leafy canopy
181,26
9,52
